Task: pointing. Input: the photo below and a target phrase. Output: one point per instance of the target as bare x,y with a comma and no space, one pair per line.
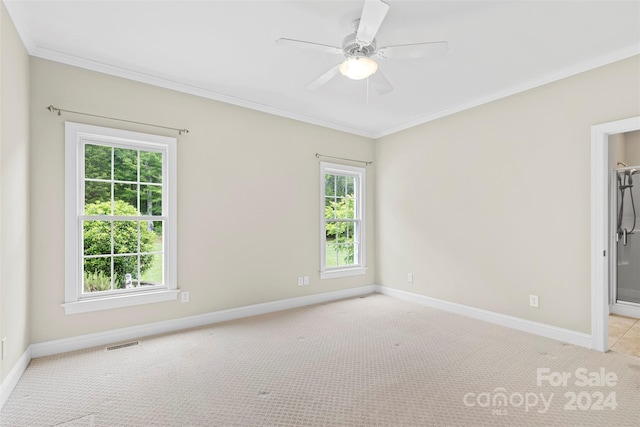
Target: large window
120,213
342,212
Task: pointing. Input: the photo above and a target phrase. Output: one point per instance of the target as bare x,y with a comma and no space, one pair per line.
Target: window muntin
120,224
342,189
121,183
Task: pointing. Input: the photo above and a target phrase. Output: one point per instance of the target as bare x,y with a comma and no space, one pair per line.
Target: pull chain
367,92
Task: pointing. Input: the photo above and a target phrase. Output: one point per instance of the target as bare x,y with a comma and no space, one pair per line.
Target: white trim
22,27
368,133
111,70
629,310
360,174
75,135
21,24
600,229
117,301
64,345
342,272
64,58
102,338
572,70
10,381
548,331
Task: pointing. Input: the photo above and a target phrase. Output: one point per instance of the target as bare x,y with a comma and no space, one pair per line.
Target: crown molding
104,68
21,23
22,27
574,69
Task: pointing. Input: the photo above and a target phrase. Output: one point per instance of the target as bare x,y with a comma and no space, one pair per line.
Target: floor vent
119,346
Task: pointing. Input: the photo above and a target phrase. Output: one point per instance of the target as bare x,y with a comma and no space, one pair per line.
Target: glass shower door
627,237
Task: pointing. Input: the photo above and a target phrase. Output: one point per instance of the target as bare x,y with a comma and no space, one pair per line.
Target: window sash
356,249
357,243
112,255
112,218
77,136
139,146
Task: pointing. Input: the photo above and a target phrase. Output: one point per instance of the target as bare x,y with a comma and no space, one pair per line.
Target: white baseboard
548,331
134,332
9,383
108,337
625,310
64,345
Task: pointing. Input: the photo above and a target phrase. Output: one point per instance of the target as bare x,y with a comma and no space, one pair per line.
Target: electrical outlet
533,300
300,281
306,280
184,296
410,277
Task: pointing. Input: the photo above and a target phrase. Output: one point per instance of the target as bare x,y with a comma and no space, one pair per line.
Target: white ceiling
225,50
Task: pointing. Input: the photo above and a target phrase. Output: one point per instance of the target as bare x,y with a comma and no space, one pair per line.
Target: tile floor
624,335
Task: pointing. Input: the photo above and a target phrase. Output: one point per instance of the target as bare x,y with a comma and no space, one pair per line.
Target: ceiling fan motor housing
352,47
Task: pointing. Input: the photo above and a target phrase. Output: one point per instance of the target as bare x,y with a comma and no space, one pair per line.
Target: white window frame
75,136
360,265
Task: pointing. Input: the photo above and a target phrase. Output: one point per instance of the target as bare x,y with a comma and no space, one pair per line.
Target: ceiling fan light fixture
358,67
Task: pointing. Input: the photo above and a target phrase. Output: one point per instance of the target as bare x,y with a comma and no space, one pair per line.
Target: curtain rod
60,110
366,163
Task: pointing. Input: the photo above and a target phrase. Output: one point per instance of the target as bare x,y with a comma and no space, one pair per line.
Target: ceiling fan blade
380,83
317,47
414,50
373,14
323,79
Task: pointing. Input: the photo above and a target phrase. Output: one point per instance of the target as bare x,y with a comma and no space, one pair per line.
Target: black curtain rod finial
54,110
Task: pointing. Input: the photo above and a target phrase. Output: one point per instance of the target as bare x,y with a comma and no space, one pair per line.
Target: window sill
342,272
88,305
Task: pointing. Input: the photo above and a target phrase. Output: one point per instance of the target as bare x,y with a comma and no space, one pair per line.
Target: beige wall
490,205
248,203
14,193
625,148
484,207
617,150
632,148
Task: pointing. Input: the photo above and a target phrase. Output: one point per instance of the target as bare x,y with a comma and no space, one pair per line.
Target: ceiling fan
360,47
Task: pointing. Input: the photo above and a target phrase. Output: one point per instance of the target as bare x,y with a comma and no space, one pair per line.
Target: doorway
601,229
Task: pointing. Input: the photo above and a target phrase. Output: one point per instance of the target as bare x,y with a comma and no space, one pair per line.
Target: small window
342,212
120,213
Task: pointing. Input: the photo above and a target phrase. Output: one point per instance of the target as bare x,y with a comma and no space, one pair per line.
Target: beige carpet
372,361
